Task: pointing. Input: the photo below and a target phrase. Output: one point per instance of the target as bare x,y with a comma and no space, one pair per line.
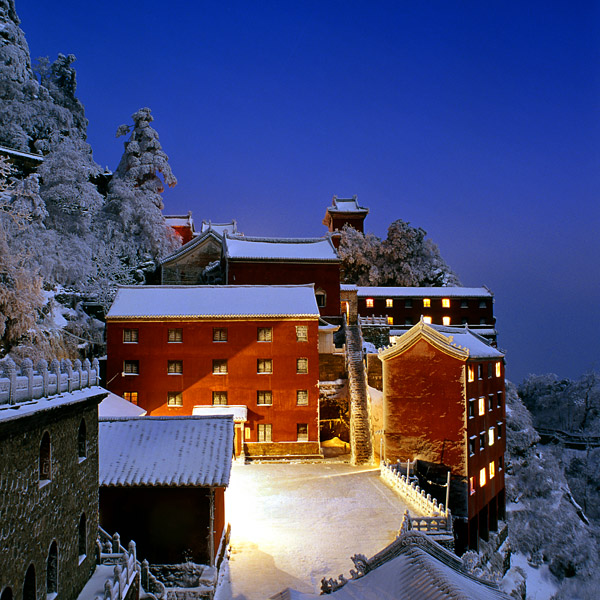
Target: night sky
477,121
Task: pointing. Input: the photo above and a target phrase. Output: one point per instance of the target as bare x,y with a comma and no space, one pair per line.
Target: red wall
325,276
242,381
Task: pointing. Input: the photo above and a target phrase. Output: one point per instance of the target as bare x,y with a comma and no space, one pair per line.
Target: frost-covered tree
405,258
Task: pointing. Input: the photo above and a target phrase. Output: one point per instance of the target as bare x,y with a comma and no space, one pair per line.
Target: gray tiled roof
166,451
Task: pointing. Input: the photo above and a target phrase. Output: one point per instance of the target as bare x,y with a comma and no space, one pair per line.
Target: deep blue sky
477,121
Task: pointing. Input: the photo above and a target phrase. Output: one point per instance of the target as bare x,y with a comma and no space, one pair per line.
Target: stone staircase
360,425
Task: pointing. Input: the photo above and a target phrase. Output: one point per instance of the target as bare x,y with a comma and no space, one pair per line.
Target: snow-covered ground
293,524
541,584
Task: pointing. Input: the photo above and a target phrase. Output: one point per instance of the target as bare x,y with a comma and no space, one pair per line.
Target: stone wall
34,513
374,371
332,367
254,450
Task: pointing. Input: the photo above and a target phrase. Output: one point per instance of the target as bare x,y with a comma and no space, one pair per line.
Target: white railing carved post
55,370
42,369
27,370
10,368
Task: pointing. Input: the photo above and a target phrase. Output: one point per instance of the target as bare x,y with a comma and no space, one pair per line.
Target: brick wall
374,371
332,367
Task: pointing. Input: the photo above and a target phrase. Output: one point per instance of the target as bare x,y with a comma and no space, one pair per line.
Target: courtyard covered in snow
295,523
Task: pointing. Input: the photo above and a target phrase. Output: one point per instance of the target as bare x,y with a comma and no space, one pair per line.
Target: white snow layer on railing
116,588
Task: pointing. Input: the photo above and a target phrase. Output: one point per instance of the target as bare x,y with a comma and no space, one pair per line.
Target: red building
443,405
183,225
264,261
250,351
345,211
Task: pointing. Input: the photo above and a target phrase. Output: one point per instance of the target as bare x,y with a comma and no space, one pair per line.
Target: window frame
264,334
302,437
220,334
174,367
264,401
302,365
131,367
426,302
133,397
300,401
445,302
264,431
131,333
219,395
446,321
174,399
220,366
174,335
389,303
302,333
369,302
262,364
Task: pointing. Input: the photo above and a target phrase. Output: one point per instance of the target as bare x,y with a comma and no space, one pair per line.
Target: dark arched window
45,458
82,537
52,570
29,592
82,441
6,594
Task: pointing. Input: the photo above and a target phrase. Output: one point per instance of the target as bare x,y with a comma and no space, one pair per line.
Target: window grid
302,333
131,397
264,397
219,334
389,302
130,336
301,397
264,365
265,334
131,367
219,398
369,302
426,302
265,432
219,366
175,367
174,399
175,336
445,302
302,366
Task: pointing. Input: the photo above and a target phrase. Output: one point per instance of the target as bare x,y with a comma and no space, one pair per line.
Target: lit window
389,302
471,408
175,336
446,320
321,298
264,365
219,398
369,302
302,333
482,441
426,302
302,366
408,303
498,369
265,432
247,433
445,302
499,399
131,367
472,445
264,397
471,373
219,334
427,320
390,320
265,334
491,436
301,397
482,477
130,336
174,399
131,397
219,366
492,470
45,461
175,367
302,429
481,406
471,485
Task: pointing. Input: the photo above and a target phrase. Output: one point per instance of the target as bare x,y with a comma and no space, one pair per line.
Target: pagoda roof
280,249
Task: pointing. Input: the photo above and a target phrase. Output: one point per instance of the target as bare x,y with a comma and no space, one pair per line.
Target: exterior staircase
361,444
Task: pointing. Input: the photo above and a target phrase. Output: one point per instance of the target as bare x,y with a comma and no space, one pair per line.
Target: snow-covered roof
180,220
348,287
412,566
287,249
239,412
347,205
460,342
219,228
115,406
12,412
166,451
425,292
214,301
196,241
11,152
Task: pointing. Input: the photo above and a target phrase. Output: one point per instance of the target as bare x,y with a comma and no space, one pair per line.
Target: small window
219,398
490,370
408,303
445,302
482,477
264,365
499,399
219,366
490,401
464,320
302,429
498,369
302,333
247,433
321,298
471,373
492,470
472,445
82,441
265,334
491,436
131,397
175,367
265,432
390,320
500,463
175,336
131,367
174,399
264,397
219,334
301,397
52,570
471,409
427,320
369,302
480,371
446,320
499,435
45,462
482,441
464,304
302,366
408,321
130,336
482,321
426,302
82,545
481,411
482,304
389,302
471,485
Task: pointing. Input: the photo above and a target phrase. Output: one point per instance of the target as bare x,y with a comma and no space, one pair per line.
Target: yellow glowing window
446,320
390,320
369,302
498,369
131,397
471,485
471,373
445,302
427,320
426,302
482,406
492,470
491,436
389,302
482,477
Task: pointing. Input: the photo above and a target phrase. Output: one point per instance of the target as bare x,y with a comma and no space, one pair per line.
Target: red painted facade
240,380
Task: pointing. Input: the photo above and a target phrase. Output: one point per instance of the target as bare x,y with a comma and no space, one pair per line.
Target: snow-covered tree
405,258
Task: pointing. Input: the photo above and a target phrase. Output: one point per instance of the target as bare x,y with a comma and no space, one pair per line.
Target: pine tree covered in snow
405,258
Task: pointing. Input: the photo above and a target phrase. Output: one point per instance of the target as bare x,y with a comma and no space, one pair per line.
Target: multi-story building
344,211
444,405
251,351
